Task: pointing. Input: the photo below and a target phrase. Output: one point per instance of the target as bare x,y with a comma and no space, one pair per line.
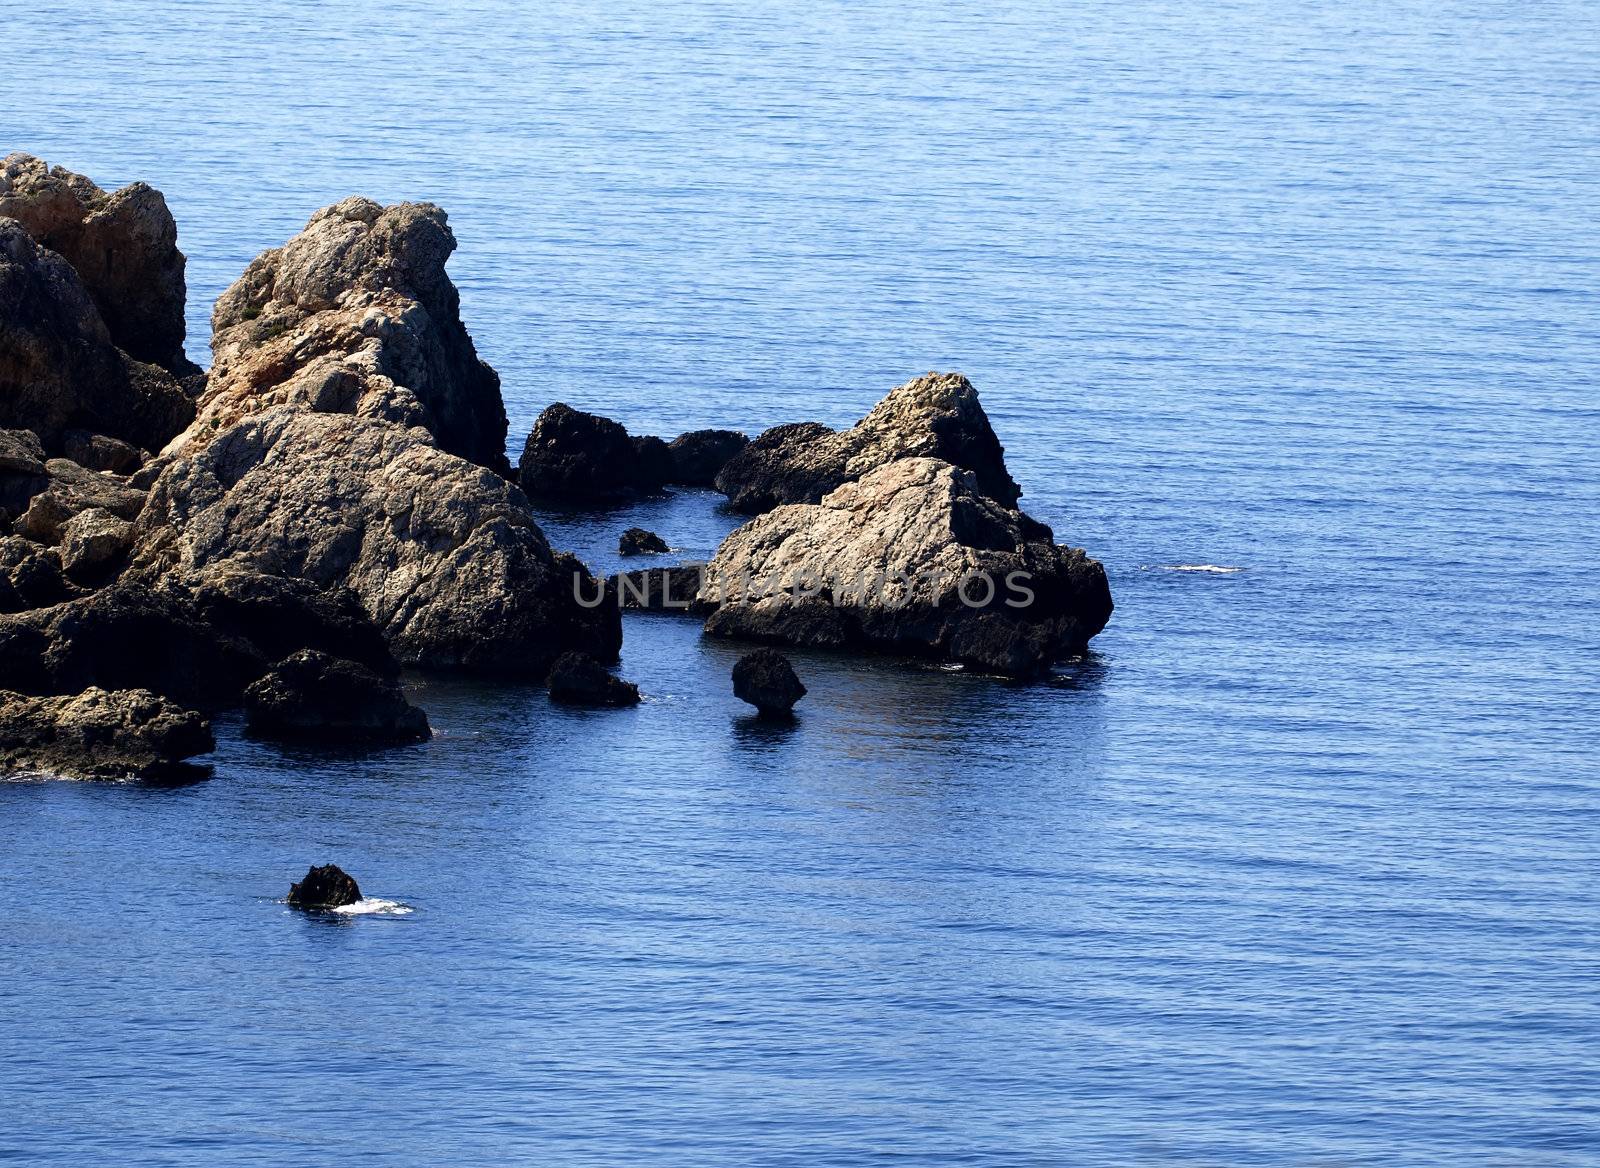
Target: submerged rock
699,456
577,679
325,886
936,416
99,734
572,455
123,246
311,695
355,315
636,541
914,558
768,682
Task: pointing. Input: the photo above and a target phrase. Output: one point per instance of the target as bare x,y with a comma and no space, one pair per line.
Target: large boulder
444,555
578,457
313,696
71,490
30,575
124,247
98,734
699,456
577,679
936,416
767,681
94,544
913,558
355,315
60,369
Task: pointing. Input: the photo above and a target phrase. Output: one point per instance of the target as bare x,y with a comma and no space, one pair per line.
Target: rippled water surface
1300,868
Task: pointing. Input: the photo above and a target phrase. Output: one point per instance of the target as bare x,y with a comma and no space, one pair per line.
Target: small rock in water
768,682
577,679
314,696
325,886
636,541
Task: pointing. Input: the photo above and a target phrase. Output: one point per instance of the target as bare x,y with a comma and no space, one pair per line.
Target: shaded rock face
583,457
653,464
123,246
637,541
97,452
699,456
311,695
99,734
914,558
768,682
94,544
30,576
59,368
444,555
936,416
22,472
325,886
355,315
674,589
69,491
577,679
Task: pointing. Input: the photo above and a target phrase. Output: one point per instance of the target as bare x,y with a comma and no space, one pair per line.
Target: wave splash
375,906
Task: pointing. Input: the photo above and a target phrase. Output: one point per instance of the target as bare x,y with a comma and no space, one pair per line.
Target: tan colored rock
94,543
71,491
98,734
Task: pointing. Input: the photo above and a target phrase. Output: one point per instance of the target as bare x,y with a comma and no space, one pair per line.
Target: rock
653,464
577,679
581,457
355,315
30,576
22,472
59,369
71,490
99,734
94,544
768,682
327,886
97,452
444,555
913,558
936,416
636,541
123,246
699,456
673,589
311,695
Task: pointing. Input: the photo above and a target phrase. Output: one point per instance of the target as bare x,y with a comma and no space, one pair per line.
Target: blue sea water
1302,867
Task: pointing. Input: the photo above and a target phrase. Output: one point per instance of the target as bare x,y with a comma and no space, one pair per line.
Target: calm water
1302,868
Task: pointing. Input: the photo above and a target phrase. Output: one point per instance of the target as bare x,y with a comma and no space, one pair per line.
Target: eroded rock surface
313,696
99,734
936,416
766,679
30,576
325,886
913,558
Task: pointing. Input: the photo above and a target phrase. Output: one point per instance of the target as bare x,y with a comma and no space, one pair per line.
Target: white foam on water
1216,569
373,905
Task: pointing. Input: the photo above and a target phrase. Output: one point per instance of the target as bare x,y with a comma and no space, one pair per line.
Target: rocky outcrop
767,681
355,315
674,589
325,886
936,416
637,541
94,545
69,491
97,452
699,456
313,696
60,370
579,457
30,575
913,558
577,679
123,246
22,472
444,555
653,464
99,734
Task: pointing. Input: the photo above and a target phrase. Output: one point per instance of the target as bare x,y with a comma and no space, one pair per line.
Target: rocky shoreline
333,501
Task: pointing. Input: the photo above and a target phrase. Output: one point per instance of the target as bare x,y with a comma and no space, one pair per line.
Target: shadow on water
763,733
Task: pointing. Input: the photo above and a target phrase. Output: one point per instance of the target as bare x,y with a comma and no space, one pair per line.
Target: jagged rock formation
123,246
99,734
313,696
94,545
699,456
70,490
579,457
767,680
913,558
60,370
355,315
325,886
444,555
637,541
936,416
30,575
577,679
22,472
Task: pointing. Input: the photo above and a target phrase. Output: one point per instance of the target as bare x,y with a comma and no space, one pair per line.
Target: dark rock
97,452
124,247
94,545
653,464
936,416
98,734
311,695
699,456
22,472
672,589
576,456
69,491
356,315
767,681
324,886
30,576
59,369
913,558
636,541
577,679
